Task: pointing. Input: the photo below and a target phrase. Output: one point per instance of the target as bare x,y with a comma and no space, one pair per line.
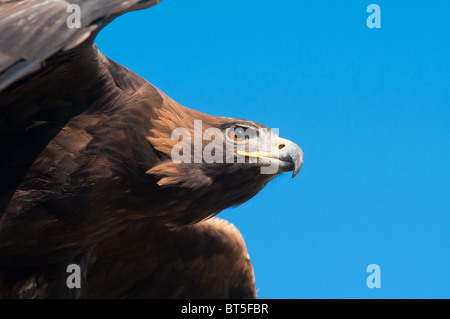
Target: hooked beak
291,156
288,155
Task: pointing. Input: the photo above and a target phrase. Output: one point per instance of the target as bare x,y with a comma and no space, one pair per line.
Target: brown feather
205,260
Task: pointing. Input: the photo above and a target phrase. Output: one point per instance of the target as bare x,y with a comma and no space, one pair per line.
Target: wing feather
34,30
205,260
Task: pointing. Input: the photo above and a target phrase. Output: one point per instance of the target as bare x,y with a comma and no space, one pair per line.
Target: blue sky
369,107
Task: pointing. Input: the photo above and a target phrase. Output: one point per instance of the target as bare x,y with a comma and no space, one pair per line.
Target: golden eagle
88,176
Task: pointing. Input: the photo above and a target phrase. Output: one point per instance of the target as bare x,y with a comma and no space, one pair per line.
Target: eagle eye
240,134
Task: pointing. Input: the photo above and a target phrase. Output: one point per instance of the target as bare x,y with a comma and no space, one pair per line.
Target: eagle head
225,161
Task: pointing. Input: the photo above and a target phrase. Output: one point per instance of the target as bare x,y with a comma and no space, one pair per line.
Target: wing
34,30
205,260
49,73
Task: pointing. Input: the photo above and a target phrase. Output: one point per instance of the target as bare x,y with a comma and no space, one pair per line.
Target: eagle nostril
281,146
